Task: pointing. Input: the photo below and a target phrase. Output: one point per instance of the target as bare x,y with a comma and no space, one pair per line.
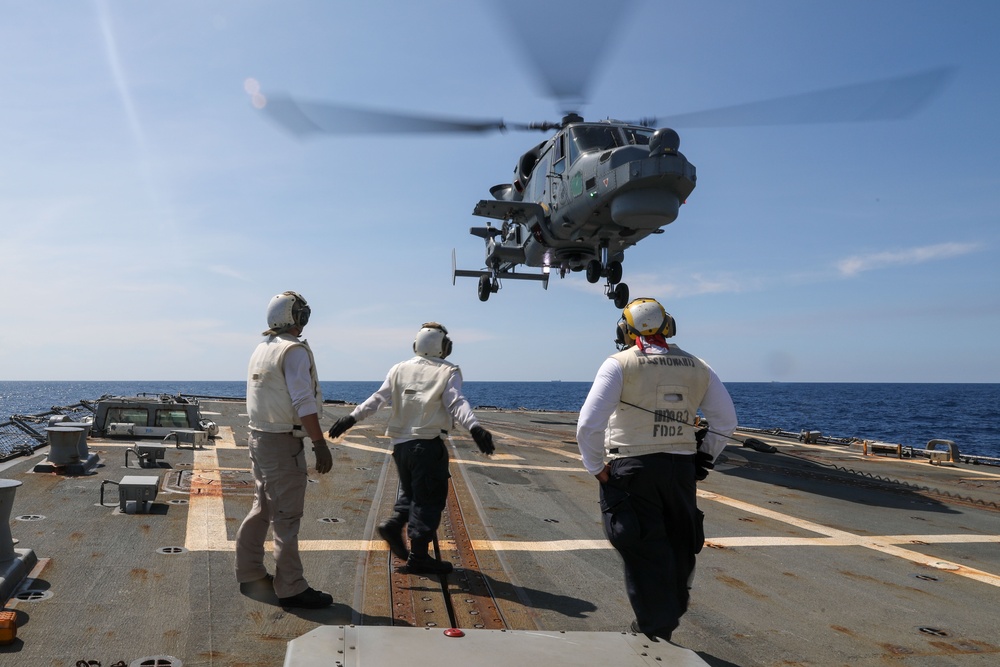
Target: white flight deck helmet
432,341
643,317
286,311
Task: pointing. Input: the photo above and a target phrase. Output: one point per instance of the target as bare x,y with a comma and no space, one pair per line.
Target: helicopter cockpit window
589,138
559,154
637,136
535,190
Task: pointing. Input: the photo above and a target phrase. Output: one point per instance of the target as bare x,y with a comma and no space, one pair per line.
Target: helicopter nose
664,141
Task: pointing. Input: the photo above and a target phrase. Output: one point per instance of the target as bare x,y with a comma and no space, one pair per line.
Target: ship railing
935,455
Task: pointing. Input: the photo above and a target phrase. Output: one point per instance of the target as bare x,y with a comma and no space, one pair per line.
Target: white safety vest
667,388
269,404
418,413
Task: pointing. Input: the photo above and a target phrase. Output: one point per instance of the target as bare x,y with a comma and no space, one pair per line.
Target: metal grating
20,435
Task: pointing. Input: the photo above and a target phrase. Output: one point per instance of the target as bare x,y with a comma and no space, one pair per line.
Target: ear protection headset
300,309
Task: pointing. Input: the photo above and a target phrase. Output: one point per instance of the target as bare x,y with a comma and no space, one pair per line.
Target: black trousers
423,479
651,517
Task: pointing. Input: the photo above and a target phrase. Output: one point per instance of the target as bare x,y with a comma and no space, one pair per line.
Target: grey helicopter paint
579,199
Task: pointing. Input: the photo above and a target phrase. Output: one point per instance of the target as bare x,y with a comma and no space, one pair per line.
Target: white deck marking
206,529
492,462
206,525
882,543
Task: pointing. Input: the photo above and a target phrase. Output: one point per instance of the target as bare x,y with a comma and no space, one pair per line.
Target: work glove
484,439
700,430
324,459
702,464
340,427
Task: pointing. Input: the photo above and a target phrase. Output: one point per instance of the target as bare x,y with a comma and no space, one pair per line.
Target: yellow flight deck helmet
643,317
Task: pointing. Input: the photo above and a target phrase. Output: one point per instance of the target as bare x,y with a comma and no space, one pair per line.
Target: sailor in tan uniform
637,435
285,403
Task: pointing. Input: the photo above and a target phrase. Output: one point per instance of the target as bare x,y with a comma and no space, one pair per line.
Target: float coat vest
268,402
668,388
418,412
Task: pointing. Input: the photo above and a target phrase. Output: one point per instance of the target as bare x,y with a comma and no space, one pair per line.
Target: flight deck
817,554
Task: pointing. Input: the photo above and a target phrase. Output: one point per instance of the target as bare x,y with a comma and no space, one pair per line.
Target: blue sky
149,211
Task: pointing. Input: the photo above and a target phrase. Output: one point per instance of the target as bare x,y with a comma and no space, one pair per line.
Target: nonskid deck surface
816,555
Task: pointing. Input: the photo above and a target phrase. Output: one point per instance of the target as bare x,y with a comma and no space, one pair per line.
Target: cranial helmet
432,341
285,311
643,317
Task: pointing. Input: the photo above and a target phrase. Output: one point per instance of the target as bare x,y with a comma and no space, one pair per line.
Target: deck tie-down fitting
147,454
136,493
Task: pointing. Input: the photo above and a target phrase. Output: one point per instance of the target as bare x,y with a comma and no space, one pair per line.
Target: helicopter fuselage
581,198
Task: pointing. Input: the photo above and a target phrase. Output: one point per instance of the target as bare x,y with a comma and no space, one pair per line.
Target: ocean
905,413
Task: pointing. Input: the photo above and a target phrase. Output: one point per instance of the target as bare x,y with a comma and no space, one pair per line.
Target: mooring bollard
83,450
64,444
8,487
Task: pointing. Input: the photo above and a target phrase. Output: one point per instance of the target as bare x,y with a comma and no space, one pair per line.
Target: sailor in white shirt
637,434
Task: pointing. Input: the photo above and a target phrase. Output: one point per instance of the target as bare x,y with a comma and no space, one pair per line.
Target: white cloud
854,265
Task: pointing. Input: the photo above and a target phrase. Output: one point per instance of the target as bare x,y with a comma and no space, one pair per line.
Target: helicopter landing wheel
620,295
484,288
615,273
593,271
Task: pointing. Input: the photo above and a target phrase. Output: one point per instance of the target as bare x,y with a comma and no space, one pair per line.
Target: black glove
341,426
484,439
700,431
702,464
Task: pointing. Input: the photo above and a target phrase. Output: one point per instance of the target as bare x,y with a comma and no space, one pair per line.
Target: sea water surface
905,413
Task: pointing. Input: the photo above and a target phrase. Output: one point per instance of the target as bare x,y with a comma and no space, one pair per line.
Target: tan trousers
279,471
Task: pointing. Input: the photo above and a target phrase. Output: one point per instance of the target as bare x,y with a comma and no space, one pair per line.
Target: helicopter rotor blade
305,118
883,99
564,61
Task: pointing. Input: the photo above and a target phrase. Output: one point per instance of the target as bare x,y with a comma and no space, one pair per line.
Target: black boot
426,565
391,530
655,635
420,562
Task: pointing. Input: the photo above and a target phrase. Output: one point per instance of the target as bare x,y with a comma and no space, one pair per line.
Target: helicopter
579,199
